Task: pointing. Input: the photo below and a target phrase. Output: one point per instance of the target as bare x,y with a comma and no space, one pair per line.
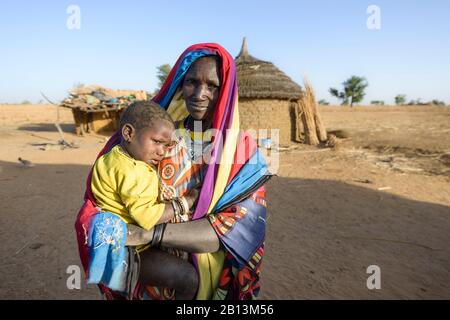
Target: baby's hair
143,114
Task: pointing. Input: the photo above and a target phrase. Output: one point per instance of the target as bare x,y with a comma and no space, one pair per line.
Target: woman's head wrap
225,119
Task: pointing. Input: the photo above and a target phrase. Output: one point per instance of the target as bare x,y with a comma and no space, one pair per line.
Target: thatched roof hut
267,97
260,79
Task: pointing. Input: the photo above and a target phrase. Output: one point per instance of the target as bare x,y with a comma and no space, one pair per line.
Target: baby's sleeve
139,193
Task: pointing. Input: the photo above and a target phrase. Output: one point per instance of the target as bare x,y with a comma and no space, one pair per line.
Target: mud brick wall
269,114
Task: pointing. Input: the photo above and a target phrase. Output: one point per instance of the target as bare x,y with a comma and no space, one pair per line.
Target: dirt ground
381,197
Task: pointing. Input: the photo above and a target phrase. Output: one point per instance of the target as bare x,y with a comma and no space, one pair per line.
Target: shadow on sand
47,127
321,237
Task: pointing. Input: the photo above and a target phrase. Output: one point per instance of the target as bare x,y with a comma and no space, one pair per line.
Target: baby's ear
128,131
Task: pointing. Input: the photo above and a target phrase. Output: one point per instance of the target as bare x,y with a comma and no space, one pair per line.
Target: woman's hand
193,196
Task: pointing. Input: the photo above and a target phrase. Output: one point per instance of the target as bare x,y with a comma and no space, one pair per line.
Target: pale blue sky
121,43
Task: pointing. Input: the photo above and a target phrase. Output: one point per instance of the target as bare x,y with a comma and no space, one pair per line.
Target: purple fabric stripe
210,178
211,174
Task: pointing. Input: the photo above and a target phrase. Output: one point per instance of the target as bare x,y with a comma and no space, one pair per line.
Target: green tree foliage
354,88
163,72
400,99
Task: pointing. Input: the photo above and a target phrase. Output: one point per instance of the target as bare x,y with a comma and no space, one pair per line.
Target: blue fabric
188,59
248,233
108,254
250,173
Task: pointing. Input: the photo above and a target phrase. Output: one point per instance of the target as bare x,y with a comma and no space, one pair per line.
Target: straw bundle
314,128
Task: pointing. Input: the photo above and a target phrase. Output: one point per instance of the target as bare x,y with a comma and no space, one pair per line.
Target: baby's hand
168,193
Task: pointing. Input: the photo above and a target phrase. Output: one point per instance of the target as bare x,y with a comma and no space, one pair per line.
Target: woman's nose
200,92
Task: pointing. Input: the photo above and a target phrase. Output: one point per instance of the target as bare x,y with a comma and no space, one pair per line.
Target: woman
225,233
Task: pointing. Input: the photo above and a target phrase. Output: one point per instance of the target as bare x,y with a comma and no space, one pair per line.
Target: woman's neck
195,125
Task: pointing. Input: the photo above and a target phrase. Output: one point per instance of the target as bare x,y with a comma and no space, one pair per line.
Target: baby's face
150,144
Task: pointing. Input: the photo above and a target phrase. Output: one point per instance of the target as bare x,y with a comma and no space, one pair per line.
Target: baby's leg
161,269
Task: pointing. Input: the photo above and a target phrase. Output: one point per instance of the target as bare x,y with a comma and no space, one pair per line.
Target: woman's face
201,88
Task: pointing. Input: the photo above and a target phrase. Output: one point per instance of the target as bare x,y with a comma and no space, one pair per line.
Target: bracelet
158,233
179,206
176,209
184,205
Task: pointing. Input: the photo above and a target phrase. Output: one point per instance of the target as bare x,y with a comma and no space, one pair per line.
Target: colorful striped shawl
222,165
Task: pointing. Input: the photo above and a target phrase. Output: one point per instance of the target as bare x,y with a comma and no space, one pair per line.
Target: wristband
158,233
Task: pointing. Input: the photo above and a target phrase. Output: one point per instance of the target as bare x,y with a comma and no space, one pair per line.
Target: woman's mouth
197,107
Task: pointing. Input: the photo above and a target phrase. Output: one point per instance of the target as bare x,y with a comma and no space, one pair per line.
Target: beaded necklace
199,142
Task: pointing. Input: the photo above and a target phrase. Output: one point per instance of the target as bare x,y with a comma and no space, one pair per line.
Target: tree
323,102
163,72
400,99
353,90
417,102
377,102
437,102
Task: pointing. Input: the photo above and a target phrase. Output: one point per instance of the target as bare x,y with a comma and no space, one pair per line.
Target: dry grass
312,121
262,79
372,108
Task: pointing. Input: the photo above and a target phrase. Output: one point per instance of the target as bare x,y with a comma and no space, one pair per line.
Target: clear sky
120,43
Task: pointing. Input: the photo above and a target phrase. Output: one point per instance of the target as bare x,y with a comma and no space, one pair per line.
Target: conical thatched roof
261,79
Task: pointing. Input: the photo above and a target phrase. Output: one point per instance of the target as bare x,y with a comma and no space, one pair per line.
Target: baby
125,182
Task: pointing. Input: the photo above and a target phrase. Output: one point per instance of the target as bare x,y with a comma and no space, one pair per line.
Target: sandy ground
381,198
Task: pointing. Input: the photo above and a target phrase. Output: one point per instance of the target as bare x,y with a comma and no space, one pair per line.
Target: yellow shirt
128,188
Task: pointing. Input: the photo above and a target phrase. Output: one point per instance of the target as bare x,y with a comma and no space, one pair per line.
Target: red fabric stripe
88,210
245,150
